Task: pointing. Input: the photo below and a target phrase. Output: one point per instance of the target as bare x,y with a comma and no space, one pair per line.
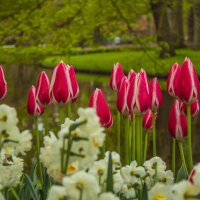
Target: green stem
127,140
38,150
69,145
46,121
174,156
81,194
133,139
154,135
130,139
141,140
118,133
189,138
14,193
138,153
69,110
145,145
182,155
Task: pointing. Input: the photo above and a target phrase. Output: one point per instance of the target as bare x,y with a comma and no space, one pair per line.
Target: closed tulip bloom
188,89
98,102
177,124
59,86
116,77
155,95
74,88
173,79
3,84
138,94
194,108
147,120
122,97
33,107
131,75
42,89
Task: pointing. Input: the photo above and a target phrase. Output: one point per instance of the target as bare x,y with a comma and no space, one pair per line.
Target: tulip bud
116,77
3,84
147,120
173,79
131,75
177,124
42,89
59,86
138,93
194,108
188,89
74,88
98,102
122,97
33,107
155,95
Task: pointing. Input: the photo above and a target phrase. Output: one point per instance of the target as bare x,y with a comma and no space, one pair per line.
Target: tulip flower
188,88
116,77
194,108
155,95
42,89
173,79
147,120
98,102
138,94
3,84
177,124
59,86
122,97
131,75
33,107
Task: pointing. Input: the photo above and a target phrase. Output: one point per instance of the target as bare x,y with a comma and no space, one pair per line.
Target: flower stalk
133,139
118,133
182,155
174,156
154,135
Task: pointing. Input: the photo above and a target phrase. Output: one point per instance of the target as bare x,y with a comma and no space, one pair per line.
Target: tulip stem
38,150
189,138
127,151
46,121
69,110
145,145
174,156
182,155
133,139
141,140
154,134
118,132
138,153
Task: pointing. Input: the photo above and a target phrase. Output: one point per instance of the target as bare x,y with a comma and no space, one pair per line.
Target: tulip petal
3,84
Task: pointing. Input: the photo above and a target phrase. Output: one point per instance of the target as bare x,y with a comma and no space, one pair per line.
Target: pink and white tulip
116,77
98,102
188,88
177,124
42,89
138,94
3,84
173,79
155,95
147,120
122,105
131,75
194,108
33,107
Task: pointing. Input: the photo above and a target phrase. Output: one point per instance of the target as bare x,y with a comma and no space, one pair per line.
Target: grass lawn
129,59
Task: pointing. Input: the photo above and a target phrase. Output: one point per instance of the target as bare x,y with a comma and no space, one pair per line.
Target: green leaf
31,187
182,174
144,193
109,182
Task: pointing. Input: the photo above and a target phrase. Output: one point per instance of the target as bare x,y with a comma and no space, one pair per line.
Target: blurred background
92,35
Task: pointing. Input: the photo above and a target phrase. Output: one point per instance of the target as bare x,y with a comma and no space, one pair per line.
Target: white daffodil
184,190
108,196
128,191
132,173
99,171
56,193
166,177
115,159
81,183
65,127
153,164
118,182
8,118
160,192
195,175
2,197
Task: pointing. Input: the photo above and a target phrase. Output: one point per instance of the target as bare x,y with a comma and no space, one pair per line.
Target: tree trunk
178,24
196,43
190,26
163,29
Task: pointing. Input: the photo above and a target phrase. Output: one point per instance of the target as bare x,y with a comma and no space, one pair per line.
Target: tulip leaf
109,182
182,174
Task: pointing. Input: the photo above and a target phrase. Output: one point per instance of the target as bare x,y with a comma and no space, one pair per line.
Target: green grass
129,59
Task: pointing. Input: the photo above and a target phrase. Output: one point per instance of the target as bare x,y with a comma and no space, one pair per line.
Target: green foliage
182,174
109,181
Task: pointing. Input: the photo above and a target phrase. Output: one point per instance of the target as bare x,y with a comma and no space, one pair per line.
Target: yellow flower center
95,143
159,197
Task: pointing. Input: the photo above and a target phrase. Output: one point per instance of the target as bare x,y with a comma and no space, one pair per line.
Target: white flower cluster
186,189
85,141
12,144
